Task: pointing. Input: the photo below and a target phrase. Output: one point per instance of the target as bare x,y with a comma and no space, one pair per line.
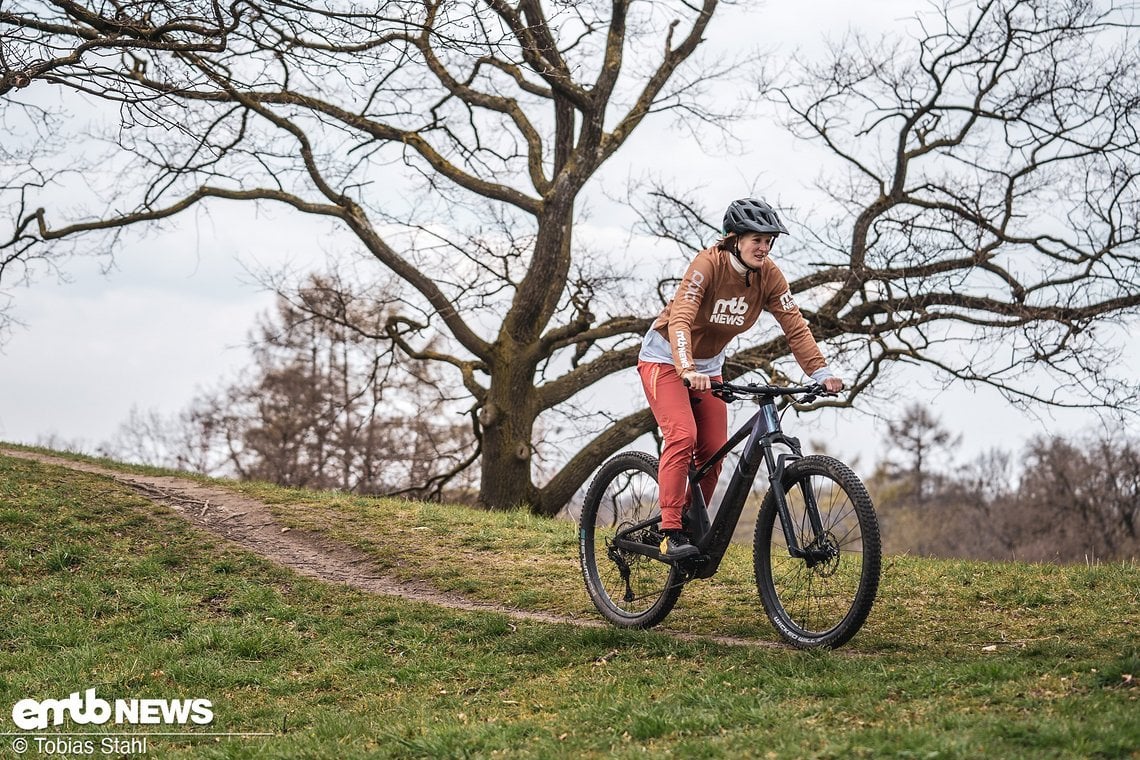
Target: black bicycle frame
763,432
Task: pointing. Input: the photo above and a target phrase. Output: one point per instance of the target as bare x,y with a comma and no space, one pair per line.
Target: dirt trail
249,524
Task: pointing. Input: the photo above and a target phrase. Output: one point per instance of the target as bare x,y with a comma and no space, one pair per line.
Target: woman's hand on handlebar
697,381
832,385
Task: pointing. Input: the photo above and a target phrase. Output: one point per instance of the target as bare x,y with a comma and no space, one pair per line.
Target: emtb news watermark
88,709
54,717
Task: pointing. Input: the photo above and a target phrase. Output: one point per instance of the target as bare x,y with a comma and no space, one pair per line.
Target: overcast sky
172,317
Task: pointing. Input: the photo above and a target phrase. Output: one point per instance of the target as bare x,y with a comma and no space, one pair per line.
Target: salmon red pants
688,427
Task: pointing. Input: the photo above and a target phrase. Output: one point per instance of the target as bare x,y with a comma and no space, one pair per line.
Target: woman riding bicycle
721,295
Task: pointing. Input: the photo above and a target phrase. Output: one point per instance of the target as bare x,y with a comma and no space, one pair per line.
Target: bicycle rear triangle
816,549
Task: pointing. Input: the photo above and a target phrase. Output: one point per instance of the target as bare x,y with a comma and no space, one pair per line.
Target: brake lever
725,395
817,392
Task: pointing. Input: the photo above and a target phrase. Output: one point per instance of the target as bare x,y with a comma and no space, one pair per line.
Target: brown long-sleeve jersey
715,303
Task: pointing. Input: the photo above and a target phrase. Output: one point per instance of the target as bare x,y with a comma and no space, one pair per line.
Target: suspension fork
776,469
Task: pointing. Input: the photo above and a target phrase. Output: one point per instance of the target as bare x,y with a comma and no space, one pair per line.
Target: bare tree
321,407
326,409
145,437
977,504
502,113
98,53
80,46
919,496
919,437
991,194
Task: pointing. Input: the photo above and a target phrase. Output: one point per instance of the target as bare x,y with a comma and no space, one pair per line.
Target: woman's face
754,247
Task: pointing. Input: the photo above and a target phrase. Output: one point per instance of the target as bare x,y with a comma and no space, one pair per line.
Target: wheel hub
822,555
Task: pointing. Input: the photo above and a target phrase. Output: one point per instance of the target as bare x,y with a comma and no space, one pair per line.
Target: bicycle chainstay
689,569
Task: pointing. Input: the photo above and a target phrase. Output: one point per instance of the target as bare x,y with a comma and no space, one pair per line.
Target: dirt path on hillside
250,524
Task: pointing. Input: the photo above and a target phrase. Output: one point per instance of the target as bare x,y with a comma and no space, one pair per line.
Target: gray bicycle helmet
752,215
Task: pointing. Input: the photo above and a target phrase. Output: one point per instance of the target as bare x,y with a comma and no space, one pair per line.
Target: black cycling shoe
676,546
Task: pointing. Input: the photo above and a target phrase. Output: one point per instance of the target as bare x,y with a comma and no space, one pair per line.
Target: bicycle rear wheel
821,600
630,590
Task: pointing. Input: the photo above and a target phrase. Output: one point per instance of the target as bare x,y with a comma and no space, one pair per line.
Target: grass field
100,588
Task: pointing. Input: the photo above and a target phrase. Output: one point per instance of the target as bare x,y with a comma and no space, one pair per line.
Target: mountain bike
816,552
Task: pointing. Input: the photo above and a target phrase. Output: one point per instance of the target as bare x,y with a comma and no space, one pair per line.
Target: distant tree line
1065,499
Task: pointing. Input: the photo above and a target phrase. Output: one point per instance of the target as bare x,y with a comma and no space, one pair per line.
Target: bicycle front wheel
630,590
822,599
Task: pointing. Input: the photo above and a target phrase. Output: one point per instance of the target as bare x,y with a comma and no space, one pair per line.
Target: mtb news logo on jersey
729,311
88,709
683,349
695,286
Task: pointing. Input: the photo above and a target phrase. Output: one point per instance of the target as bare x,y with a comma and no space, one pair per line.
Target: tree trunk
505,473
512,403
507,420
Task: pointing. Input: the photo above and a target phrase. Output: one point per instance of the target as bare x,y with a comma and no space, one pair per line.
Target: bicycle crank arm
638,547
693,565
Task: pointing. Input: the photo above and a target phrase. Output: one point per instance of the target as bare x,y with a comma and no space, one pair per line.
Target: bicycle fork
822,548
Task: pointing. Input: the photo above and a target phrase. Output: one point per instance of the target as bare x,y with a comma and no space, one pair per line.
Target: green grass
101,588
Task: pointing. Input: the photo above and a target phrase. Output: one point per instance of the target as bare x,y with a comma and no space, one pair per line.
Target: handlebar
729,392
771,390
